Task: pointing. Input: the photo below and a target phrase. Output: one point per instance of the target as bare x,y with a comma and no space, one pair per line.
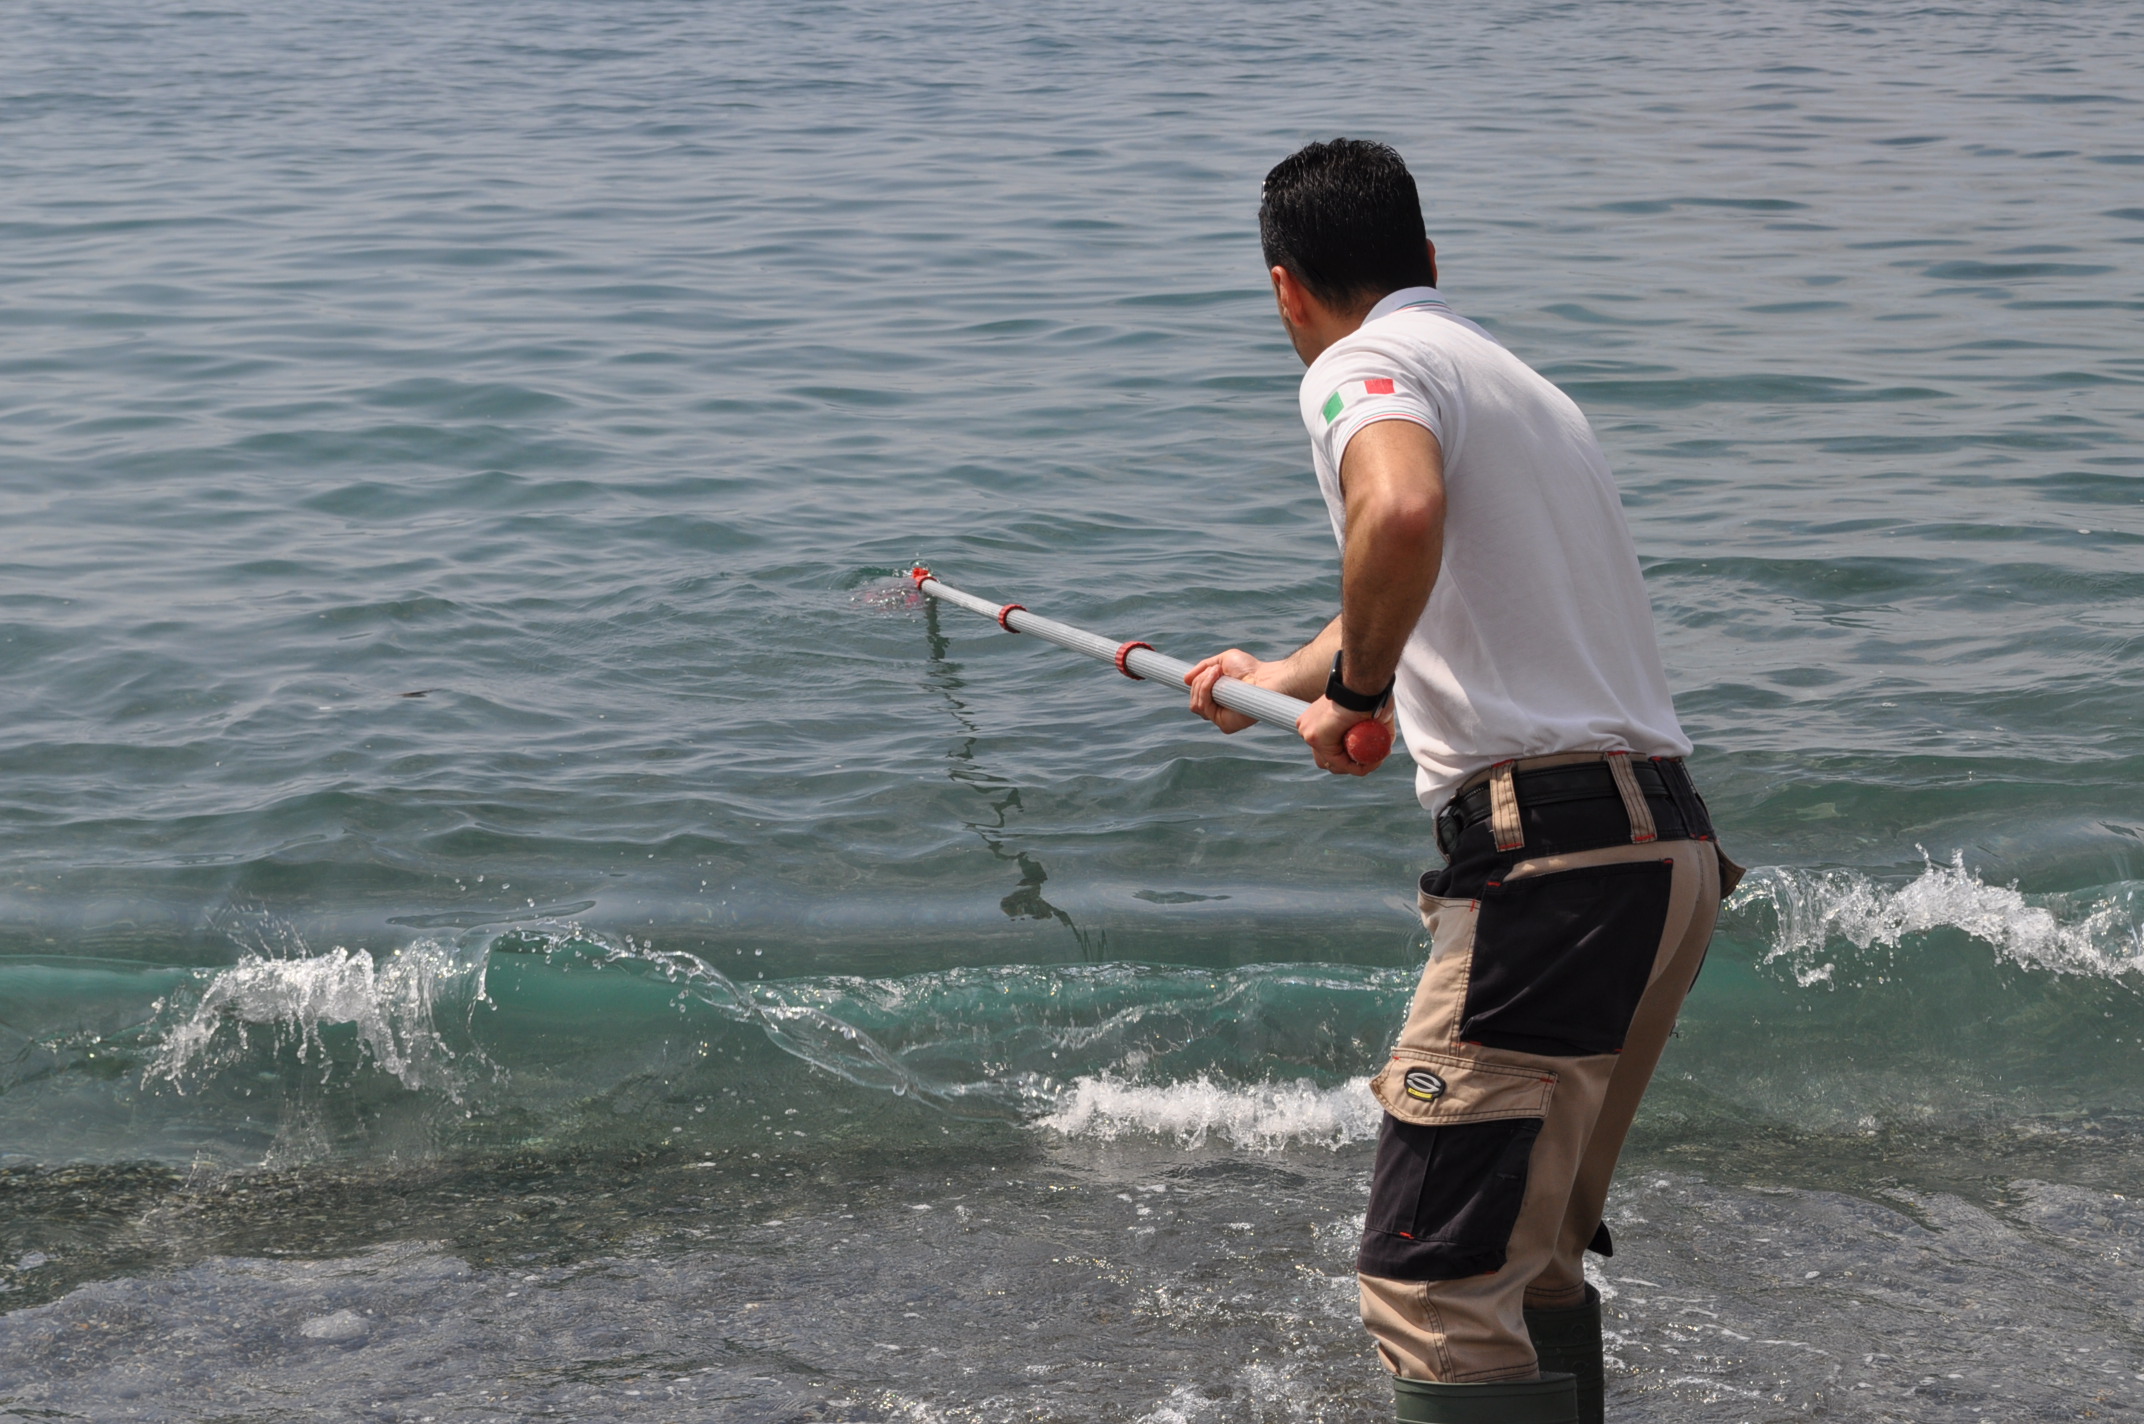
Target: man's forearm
1384,586
1395,546
1308,666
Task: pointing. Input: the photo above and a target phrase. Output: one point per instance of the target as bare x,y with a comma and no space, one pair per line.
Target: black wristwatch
1341,695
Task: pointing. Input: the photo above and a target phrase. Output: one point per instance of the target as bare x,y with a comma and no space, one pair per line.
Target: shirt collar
1406,297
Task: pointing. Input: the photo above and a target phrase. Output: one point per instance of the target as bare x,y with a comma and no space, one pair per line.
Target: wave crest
1259,1056
2100,936
1262,1116
392,1006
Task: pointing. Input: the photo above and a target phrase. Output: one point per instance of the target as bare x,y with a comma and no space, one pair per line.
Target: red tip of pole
1368,742
919,574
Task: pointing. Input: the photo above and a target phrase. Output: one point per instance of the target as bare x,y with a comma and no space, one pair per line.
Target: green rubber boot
1570,1339
1547,1400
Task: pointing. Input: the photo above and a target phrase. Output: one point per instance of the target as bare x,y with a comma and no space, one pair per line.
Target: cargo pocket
1561,961
1452,1164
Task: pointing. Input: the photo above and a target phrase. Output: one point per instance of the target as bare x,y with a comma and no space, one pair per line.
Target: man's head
1341,223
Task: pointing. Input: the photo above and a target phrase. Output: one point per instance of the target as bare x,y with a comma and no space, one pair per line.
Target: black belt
1663,778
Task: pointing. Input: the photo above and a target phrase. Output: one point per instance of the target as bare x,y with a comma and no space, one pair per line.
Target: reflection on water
1000,797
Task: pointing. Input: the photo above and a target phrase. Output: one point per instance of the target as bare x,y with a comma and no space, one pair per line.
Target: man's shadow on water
1026,902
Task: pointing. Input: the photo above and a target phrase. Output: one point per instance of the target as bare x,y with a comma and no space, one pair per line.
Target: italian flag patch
1337,401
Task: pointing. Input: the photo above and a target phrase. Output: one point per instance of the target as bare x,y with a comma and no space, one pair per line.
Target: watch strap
1341,695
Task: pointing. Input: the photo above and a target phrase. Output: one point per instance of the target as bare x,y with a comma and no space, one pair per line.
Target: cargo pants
1564,934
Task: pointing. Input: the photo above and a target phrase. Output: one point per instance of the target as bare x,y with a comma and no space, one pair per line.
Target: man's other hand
1324,725
1234,663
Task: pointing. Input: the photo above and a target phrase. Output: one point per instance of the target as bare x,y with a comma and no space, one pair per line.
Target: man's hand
1237,664
1324,725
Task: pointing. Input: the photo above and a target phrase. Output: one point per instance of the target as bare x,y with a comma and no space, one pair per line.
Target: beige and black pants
1564,933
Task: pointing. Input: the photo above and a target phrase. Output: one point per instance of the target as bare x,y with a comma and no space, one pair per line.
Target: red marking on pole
1125,652
1006,612
919,574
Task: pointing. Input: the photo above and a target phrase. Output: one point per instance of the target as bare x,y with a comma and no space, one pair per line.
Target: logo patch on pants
1423,1085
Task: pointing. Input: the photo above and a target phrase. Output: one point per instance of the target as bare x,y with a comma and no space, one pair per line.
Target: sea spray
392,1007
1260,1116
1815,911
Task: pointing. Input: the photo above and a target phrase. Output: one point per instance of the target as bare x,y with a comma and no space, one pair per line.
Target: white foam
341,1325
2102,937
1185,1405
1261,1117
391,1005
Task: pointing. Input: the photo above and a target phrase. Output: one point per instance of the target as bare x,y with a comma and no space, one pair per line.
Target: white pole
1366,741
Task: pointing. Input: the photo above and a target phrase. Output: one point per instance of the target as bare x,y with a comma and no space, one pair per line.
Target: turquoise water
475,792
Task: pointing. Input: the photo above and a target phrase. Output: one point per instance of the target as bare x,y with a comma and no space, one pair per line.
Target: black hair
1346,218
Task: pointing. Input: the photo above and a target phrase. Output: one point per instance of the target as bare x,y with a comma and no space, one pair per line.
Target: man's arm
1392,478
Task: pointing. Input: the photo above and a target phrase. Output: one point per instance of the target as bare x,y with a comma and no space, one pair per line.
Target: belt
1665,778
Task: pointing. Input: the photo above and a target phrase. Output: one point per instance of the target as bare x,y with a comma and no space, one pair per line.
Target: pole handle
1368,742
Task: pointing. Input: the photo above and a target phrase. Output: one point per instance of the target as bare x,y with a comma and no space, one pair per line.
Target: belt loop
1504,808
1696,821
1641,815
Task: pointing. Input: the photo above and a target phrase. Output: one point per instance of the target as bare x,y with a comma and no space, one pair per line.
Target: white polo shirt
1538,637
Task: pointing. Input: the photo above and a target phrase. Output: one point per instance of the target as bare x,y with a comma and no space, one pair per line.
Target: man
1491,597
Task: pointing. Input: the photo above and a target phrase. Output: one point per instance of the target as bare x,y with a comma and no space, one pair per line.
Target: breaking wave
1819,913
392,1008
548,1030
1261,1117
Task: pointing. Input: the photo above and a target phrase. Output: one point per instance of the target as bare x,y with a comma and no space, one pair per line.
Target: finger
1202,678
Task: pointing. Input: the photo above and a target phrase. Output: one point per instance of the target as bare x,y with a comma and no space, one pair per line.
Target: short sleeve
1366,385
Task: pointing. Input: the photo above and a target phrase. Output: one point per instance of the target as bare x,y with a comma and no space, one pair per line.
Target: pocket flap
1730,873
1427,1088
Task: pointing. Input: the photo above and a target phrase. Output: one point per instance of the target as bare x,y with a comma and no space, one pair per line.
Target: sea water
509,908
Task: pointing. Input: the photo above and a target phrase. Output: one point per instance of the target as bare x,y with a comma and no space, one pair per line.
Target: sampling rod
1367,742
